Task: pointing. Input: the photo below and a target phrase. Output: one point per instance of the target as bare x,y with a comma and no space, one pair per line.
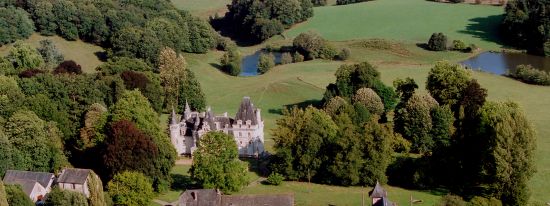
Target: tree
509,145
92,134
172,72
344,54
459,45
312,45
51,55
414,122
378,151
368,98
68,67
446,82
437,42
24,56
3,195
264,29
120,64
231,62
201,36
334,104
191,93
58,197
95,186
15,25
44,17
128,149
130,188
11,96
16,196
265,63
275,179
133,106
216,163
525,25
451,200
300,139
66,18
38,143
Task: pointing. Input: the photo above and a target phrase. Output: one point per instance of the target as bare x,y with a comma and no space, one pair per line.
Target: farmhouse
247,127
75,180
211,197
35,184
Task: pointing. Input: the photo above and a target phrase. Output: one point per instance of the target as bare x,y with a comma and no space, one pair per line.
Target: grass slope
203,8
410,20
78,51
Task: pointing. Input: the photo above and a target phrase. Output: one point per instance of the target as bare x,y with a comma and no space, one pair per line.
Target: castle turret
175,133
187,111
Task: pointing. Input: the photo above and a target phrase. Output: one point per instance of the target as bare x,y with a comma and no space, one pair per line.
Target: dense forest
527,25
138,29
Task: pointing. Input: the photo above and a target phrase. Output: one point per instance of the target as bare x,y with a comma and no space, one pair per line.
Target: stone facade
247,127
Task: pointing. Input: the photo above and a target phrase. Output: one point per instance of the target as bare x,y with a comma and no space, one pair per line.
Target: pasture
82,53
406,20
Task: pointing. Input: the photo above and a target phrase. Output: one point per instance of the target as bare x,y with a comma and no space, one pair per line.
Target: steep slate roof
200,197
258,200
247,111
27,178
73,176
378,191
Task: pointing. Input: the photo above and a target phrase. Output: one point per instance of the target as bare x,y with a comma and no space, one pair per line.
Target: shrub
312,46
69,67
437,42
471,48
231,62
297,57
481,201
530,75
286,58
30,73
225,44
65,197
459,45
451,200
15,25
275,179
266,62
344,54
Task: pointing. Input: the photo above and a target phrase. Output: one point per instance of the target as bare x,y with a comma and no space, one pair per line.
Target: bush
231,62
312,46
530,75
471,48
286,58
266,62
451,200
437,42
297,57
275,179
30,73
68,67
344,54
481,201
65,197
225,44
459,45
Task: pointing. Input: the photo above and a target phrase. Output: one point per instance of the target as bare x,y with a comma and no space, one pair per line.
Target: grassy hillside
78,51
409,20
202,8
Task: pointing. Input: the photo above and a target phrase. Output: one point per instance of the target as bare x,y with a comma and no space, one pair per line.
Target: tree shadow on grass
182,182
302,105
485,28
258,165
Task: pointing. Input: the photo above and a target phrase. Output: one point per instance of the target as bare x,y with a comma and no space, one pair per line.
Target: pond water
500,63
249,64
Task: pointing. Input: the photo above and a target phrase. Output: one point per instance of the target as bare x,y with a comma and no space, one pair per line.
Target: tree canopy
130,188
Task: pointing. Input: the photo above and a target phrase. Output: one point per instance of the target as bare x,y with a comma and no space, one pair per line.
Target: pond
500,63
249,64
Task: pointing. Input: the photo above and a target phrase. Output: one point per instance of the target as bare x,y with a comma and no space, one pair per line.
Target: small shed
75,180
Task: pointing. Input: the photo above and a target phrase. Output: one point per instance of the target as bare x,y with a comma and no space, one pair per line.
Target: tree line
137,29
526,25
450,137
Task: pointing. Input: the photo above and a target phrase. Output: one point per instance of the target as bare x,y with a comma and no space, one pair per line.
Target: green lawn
202,8
409,20
78,51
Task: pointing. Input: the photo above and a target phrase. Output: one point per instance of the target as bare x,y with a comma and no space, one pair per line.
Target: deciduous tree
172,72
216,163
130,188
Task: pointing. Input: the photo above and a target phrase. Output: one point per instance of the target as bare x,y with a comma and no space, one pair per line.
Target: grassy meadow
78,51
406,20
202,8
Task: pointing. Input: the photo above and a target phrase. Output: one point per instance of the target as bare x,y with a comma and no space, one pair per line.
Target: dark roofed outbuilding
34,184
74,176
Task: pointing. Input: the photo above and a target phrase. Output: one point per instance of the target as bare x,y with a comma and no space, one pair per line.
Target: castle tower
175,133
187,111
